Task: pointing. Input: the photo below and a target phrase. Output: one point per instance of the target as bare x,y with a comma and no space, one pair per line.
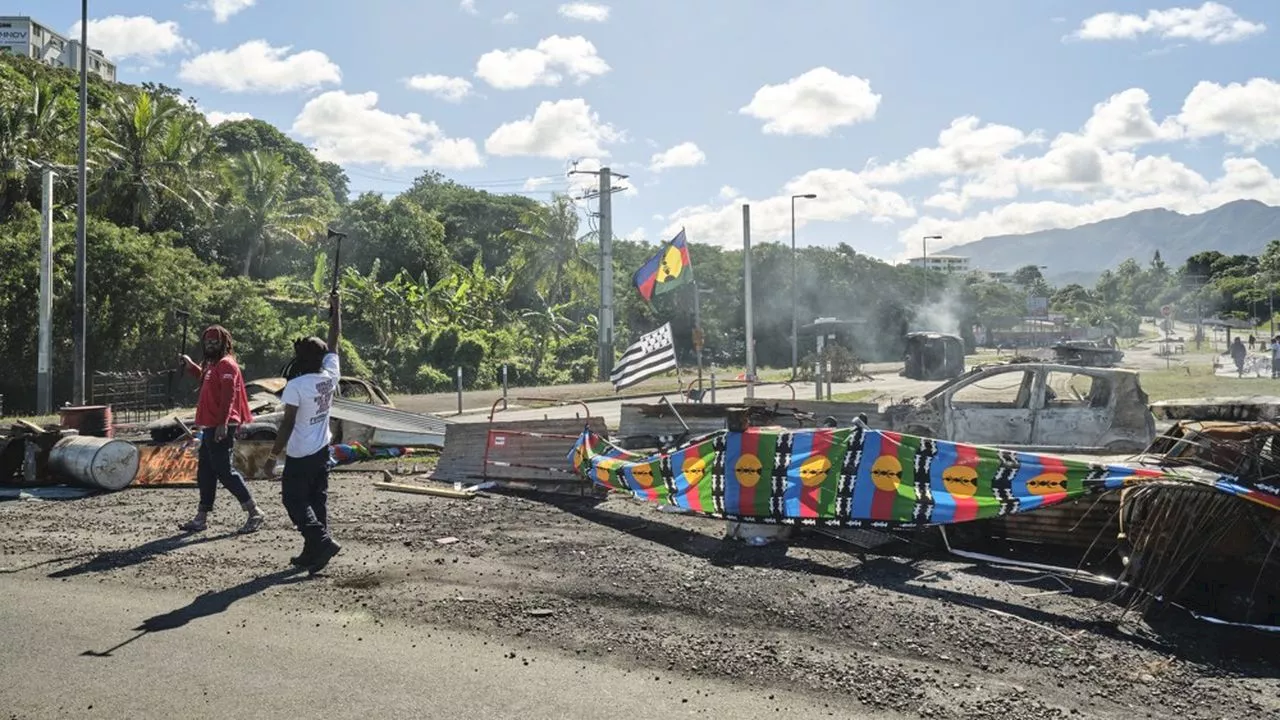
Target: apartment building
941,263
24,36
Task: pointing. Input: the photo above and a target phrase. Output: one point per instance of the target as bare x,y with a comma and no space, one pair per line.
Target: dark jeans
214,466
304,485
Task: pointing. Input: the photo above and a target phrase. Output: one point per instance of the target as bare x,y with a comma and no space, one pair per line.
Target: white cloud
991,179
468,6
452,89
510,18
966,146
685,154
842,195
563,129
216,117
1247,115
728,192
547,64
1124,120
814,103
1211,22
534,183
350,129
255,66
223,9
585,11
140,36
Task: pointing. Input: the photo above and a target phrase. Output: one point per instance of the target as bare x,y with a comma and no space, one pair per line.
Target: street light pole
924,260
795,312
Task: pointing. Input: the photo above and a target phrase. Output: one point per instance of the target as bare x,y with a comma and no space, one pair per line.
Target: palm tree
150,150
33,134
259,212
551,261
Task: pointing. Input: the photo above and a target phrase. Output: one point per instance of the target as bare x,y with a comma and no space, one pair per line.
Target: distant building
26,37
943,263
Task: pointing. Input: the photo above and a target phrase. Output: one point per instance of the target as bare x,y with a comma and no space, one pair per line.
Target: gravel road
622,584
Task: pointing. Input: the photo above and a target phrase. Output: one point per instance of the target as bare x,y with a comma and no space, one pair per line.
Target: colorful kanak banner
855,477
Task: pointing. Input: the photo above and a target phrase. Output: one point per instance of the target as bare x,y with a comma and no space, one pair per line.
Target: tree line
228,223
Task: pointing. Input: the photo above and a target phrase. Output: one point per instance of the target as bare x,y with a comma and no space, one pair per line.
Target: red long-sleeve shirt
223,400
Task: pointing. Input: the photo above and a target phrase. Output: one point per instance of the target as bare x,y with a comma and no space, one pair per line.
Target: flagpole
746,293
697,332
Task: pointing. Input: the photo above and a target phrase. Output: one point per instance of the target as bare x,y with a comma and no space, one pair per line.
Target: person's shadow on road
206,605
116,559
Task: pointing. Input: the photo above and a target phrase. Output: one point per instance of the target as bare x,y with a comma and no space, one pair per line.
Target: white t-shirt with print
313,395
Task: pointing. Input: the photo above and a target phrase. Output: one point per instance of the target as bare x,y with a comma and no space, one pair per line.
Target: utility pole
746,292
795,313
79,319
605,194
44,352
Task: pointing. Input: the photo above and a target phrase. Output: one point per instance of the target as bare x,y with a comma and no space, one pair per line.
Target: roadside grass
855,396
1198,380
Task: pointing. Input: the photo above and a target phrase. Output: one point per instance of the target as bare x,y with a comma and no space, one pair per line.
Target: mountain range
1080,254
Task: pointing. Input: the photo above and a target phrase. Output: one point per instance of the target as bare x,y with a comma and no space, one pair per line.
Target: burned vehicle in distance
1031,404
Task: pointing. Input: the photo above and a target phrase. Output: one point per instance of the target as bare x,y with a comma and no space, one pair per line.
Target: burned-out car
1034,404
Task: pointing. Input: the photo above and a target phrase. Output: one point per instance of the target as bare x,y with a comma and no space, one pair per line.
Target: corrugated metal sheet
463,458
387,418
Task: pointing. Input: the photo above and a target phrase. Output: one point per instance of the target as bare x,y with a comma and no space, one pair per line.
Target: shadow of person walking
115,559
204,605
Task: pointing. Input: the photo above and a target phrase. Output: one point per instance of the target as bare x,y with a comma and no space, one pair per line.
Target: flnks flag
667,270
654,353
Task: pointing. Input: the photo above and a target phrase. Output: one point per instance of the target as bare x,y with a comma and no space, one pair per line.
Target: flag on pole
667,270
653,353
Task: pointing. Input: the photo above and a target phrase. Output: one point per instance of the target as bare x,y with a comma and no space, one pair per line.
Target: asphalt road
99,650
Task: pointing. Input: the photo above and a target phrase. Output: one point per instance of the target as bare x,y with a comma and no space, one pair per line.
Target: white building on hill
943,263
23,36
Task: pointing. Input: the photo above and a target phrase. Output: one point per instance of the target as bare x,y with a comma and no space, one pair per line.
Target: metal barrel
92,420
96,462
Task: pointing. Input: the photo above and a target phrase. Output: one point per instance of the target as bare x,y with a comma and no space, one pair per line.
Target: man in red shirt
222,408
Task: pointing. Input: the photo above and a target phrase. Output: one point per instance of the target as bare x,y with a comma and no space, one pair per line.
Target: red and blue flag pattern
858,477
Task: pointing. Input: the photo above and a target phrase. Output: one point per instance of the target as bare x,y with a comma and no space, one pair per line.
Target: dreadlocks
308,357
223,337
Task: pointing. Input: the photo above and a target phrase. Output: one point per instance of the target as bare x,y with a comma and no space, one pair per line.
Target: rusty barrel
96,462
90,420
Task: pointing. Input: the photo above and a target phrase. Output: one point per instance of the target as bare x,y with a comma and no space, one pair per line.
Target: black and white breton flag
654,353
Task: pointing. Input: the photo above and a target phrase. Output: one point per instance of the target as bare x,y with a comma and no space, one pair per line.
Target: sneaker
322,556
253,523
195,525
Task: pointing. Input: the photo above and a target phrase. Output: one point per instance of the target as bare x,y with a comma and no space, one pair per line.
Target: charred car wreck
1040,405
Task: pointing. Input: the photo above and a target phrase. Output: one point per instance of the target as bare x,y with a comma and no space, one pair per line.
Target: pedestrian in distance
1238,354
304,437
222,408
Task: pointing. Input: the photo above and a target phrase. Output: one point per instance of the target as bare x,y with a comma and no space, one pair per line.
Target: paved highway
100,650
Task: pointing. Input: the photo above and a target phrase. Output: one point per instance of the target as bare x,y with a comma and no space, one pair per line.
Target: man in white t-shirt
304,437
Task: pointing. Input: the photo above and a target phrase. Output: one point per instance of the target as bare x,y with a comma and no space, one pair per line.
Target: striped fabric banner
859,478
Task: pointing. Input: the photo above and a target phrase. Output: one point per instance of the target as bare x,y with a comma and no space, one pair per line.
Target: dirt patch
911,632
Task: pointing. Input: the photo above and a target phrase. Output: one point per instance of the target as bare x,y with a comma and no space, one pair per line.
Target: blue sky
963,119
